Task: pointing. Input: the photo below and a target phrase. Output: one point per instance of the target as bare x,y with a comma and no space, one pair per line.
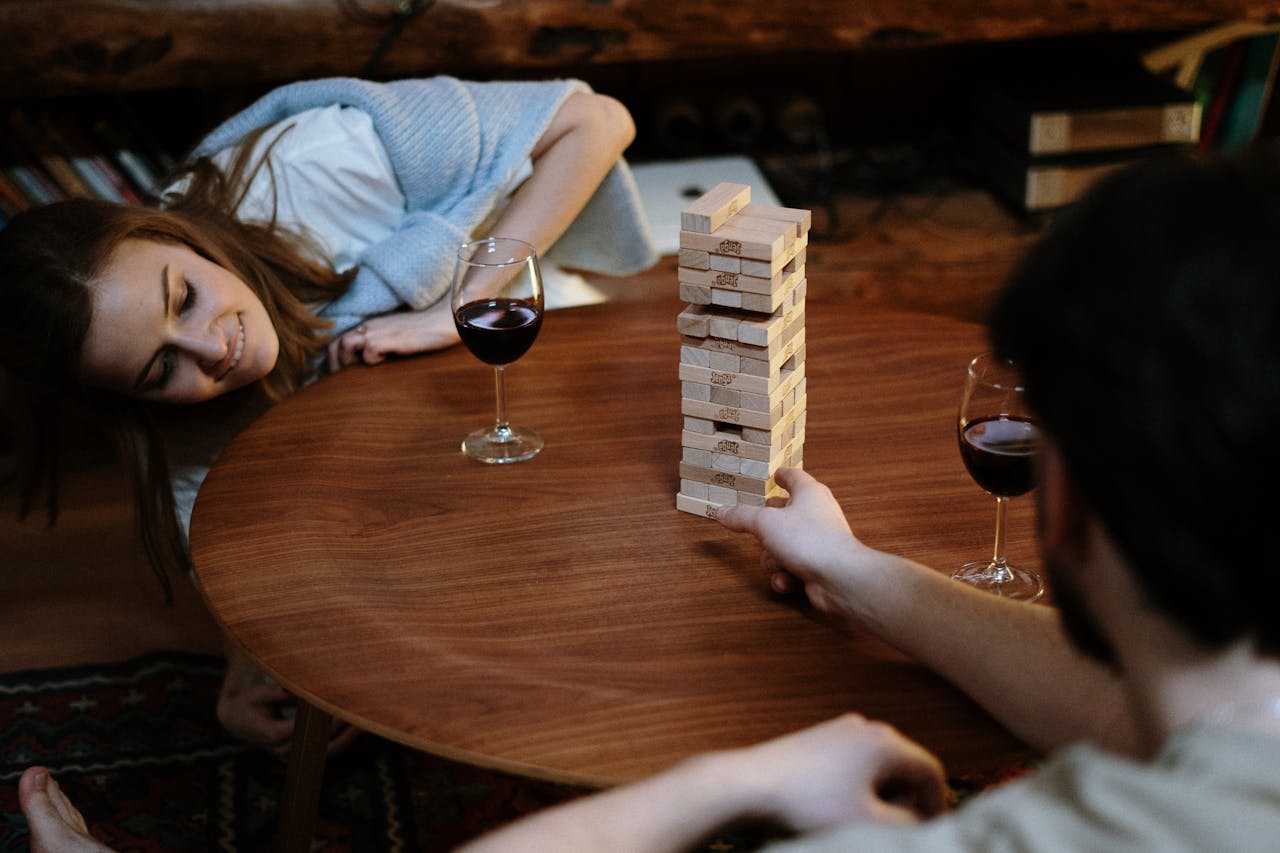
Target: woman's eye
189,297
166,370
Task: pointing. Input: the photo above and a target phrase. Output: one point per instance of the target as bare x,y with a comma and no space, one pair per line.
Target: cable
396,21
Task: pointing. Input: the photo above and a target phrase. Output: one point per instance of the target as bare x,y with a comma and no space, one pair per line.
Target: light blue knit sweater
454,146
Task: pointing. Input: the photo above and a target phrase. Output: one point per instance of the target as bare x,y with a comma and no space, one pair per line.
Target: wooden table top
559,618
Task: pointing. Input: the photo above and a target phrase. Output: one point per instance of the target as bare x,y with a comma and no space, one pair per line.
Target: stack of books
1040,141
51,154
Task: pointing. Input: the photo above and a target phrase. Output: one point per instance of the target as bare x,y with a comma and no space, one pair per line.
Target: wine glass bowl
998,439
497,305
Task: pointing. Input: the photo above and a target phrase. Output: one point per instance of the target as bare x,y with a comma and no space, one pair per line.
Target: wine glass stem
998,565
500,426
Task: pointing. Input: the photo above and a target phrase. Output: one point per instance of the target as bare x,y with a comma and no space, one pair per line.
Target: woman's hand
400,333
253,708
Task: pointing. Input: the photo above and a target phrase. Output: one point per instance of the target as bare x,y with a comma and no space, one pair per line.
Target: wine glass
998,441
497,306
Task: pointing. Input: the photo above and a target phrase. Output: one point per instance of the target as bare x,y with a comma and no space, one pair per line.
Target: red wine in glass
497,303
498,331
998,441
999,451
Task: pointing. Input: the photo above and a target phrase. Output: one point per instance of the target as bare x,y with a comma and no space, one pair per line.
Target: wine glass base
498,447
1006,582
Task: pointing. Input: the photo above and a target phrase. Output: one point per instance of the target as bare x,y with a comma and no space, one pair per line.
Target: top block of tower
715,208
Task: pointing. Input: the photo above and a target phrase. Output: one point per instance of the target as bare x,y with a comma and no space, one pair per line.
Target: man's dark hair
1147,321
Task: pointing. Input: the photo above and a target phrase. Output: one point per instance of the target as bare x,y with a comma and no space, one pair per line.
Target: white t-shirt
330,179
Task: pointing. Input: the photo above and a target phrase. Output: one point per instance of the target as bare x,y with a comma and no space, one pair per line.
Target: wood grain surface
91,46
559,618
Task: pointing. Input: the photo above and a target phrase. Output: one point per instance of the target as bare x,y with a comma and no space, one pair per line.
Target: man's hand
842,771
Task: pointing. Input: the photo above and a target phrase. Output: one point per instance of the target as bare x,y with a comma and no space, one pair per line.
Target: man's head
1148,324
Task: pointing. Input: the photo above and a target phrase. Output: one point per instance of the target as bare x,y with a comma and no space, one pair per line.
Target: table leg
303,777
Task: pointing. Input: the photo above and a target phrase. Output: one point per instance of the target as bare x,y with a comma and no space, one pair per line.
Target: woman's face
170,326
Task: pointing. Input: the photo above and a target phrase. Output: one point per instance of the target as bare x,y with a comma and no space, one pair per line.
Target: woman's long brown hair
48,256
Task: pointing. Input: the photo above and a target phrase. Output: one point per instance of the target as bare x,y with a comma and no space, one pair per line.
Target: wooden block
695,259
732,415
714,208
694,321
725,442
699,426
730,281
695,391
731,464
800,219
696,294
694,456
727,379
725,362
724,396
723,479
765,330
727,298
725,326
784,295
742,242
770,268
770,433
724,263
767,227
696,506
785,347
693,489
722,495
696,356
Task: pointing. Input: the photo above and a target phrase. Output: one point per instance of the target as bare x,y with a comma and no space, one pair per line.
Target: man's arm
1011,657
844,770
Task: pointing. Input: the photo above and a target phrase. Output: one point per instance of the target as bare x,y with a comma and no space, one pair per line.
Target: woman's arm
1012,658
586,137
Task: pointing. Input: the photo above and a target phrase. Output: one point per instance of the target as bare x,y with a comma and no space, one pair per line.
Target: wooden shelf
96,46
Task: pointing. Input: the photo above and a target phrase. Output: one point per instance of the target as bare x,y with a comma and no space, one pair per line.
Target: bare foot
56,825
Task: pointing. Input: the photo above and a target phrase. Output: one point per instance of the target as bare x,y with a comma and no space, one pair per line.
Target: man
1147,324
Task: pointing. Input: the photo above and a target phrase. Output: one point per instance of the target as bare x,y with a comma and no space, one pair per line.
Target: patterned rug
137,748
139,751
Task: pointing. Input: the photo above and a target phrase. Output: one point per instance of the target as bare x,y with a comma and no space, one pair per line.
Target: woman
315,230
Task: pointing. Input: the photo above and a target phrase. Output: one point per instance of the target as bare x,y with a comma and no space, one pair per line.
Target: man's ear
1063,517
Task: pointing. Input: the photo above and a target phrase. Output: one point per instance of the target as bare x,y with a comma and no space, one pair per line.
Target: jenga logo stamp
733,208
720,345
727,446
728,414
727,279
729,247
789,351
722,479
721,378
711,510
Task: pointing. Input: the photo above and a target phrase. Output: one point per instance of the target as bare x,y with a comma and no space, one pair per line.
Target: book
1219,90
40,148
27,176
1243,114
1032,185
12,200
143,172
1060,113
86,157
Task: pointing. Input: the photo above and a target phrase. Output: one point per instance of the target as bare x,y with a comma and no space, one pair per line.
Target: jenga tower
742,382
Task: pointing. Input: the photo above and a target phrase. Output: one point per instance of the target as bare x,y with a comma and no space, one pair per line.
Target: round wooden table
559,618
